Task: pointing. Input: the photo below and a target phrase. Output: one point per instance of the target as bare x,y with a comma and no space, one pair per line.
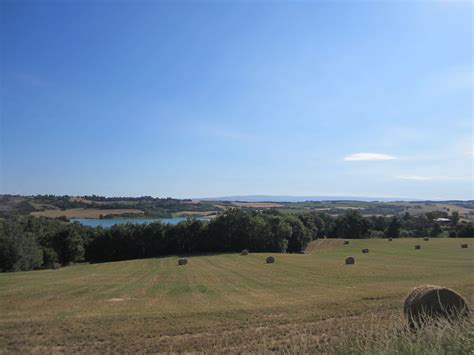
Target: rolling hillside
154,305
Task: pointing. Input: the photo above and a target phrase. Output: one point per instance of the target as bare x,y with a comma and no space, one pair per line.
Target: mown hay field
85,212
226,302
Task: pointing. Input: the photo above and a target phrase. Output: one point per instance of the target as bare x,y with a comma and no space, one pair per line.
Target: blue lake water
109,222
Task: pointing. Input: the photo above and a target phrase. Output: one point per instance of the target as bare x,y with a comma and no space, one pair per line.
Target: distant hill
284,198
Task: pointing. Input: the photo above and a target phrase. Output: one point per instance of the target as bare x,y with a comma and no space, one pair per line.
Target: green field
225,302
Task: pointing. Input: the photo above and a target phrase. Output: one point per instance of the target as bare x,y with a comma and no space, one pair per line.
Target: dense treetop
33,243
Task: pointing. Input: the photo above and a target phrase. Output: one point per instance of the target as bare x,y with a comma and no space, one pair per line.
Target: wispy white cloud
369,157
415,177
431,178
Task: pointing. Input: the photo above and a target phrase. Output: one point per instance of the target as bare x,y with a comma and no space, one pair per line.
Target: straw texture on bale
432,302
182,261
365,250
350,260
417,246
464,246
244,252
270,260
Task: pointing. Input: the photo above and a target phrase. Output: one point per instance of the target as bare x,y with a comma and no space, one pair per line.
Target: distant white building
442,220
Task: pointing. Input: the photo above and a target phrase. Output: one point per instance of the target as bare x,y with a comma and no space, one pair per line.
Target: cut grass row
155,303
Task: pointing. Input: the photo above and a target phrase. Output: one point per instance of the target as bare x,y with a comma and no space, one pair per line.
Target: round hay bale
244,252
389,239
270,259
365,250
433,302
417,246
350,260
182,261
464,246
426,239
346,242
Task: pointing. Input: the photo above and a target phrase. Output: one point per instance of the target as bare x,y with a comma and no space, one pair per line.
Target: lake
109,222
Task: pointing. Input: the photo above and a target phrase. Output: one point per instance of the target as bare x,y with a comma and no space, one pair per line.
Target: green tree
436,230
69,246
465,230
379,223
454,218
19,250
309,223
300,236
351,225
393,230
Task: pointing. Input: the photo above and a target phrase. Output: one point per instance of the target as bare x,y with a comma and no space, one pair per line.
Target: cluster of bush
153,207
33,243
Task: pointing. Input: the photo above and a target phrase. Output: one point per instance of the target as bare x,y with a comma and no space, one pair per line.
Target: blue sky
196,99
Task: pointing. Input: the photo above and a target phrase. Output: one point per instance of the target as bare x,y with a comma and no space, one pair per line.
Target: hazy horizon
202,99
271,198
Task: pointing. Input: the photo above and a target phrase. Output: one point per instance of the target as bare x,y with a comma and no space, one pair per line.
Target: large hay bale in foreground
270,260
182,261
417,246
350,260
429,302
365,250
244,252
464,246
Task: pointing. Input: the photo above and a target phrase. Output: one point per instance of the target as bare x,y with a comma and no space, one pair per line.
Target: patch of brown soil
85,201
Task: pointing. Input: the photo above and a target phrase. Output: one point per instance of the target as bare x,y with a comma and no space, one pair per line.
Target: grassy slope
155,305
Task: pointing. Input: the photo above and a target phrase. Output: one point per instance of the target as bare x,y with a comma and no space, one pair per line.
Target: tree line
28,243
